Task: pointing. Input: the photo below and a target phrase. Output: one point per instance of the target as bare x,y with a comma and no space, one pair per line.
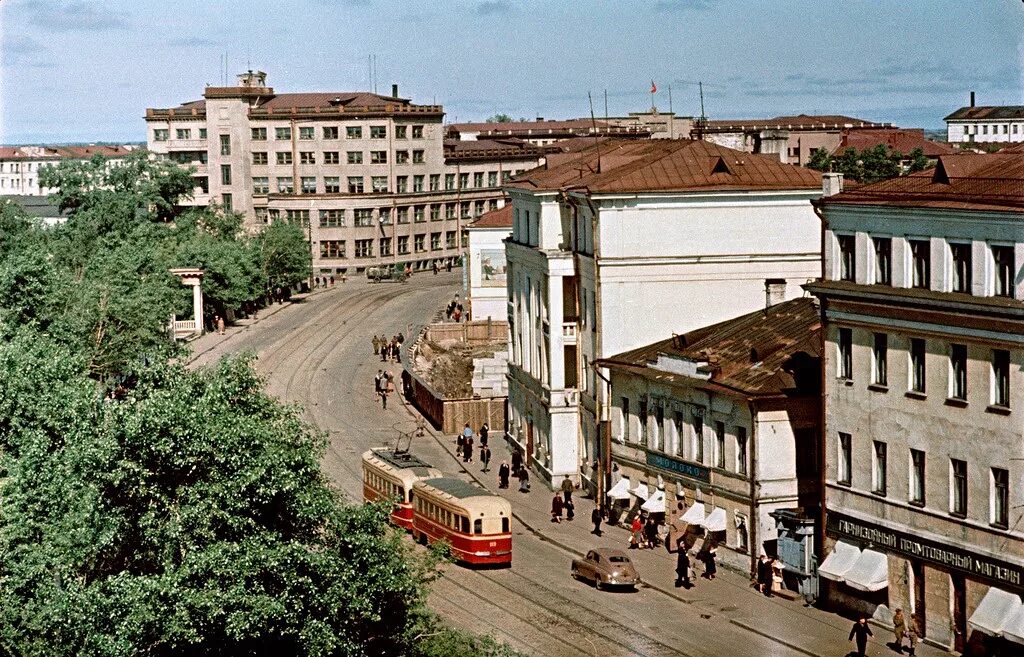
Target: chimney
394,91
831,183
972,99
774,291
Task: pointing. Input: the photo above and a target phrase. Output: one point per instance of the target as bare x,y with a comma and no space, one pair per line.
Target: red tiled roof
798,122
515,126
482,149
667,165
989,112
962,181
903,140
750,354
328,99
500,218
63,152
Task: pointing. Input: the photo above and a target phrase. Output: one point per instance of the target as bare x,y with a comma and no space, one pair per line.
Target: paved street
317,352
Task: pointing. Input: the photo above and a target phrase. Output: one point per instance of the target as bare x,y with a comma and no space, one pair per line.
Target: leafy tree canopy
282,254
869,165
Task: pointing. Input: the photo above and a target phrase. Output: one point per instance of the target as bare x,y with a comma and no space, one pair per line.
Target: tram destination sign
978,566
679,467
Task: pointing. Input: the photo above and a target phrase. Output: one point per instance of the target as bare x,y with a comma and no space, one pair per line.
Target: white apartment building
370,177
993,124
622,244
486,267
923,303
20,165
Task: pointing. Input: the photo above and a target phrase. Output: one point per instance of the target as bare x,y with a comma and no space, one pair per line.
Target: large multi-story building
985,124
370,177
623,243
20,165
923,302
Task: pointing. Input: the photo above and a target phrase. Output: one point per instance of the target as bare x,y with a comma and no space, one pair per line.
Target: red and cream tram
391,475
476,524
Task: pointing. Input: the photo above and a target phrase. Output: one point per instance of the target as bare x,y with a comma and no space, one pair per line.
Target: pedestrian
595,517
635,530
861,631
376,346
220,325
457,314
435,268
567,488
651,532
710,567
448,267
317,282
775,583
683,568
899,629
764,578
468,457
503,473
485,456
378,382
401,339
485,430
517,461
460,443
570,510
467,439
332,280
912,636
556,508
524,480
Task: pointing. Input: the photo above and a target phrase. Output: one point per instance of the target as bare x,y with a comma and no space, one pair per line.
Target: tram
390,475
476,524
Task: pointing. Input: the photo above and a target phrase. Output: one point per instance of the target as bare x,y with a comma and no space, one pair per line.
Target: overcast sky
86,70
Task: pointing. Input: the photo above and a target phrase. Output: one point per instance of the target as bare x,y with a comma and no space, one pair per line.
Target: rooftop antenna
702,121
606,106
369,72
671,115
593,123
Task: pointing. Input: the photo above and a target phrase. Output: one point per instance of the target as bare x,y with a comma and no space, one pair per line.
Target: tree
281,252
499,118
869,165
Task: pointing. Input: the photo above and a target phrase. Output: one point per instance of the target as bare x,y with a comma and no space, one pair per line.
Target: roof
798,122
540,125
961,181
328,99
751,354
500,218
666,165
42,207
266,102
483,149
400,459
987,112
456,487
902,140
80,152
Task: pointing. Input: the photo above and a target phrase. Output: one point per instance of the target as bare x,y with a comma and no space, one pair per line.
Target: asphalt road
318,353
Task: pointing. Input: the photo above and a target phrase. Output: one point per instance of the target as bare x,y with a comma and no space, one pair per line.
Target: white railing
185,326
569,331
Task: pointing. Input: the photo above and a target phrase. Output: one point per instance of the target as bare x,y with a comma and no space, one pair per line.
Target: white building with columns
623,244
486,267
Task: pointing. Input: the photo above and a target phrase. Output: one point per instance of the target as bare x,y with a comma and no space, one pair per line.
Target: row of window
334,157
335,249
384,486
419,183
16,183
999,480
331,184
163,134
959,255
15,167
999,367
335,217
305,133
996,128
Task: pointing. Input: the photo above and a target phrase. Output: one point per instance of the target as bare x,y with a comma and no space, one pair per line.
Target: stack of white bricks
489,375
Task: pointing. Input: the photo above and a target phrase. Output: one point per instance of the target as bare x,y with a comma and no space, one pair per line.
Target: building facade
923,304
985,124
371,178
609,245
486,267
20,166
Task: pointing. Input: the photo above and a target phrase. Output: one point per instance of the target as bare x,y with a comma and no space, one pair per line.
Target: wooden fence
451,415
478,332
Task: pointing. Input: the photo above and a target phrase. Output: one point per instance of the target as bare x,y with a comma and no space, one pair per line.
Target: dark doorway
919,610
959,612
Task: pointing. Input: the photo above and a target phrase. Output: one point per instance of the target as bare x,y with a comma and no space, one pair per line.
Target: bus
477,524
390,475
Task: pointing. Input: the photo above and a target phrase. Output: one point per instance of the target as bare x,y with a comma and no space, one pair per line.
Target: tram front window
478,526
505,526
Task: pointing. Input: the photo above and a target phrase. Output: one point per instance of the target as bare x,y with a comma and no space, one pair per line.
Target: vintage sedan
606,567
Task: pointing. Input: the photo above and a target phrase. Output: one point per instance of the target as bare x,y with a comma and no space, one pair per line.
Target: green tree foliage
869,165
281,252
500,118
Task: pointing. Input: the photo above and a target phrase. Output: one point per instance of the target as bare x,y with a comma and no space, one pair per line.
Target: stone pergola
186,327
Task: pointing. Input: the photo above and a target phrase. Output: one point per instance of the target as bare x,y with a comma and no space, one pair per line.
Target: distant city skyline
74,70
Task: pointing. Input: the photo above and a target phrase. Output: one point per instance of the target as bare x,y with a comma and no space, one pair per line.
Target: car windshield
619,559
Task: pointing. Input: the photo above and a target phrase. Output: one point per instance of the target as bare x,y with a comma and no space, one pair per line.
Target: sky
86,70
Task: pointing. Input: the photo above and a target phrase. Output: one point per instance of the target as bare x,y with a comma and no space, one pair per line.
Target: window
285,185
160,134
183,133
741,450
435,182
354,132
282,133
845,465
364,248
384,216
307,157
642,417
332,249
917,365
961,267
1001,378
385,246
225,174
624,427
306,133
330,132
332,218
917,477
449,211
463,181
402,184
331,157
451,244
260,185
354,157
299,217
417,132
284,157
332,184
308,184
259,134
478,208
403,214
363,217
400,131
417,183
355,184
418,214
999,511
403,244
379,183
505,176
742,534
378,157
492,204
878,468
435,212
417,157
378,132
958,487
225,200
225,144
720,445
492,178
449,181
464,209
261,215
1003,270
418,242
883,260
259,157
847,257
478,179
697,446
845,357
958,372
879,359
401,157
435,241
921,263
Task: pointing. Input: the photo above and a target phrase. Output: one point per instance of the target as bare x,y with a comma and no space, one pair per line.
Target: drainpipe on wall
755,519
605,439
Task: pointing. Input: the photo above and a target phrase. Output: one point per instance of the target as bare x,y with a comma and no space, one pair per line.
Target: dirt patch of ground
448,368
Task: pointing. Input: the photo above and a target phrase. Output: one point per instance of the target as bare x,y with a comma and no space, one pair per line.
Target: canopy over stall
641,491
870,572
1013,630
620,491
694,515
836,564
996,612
716,521
655,503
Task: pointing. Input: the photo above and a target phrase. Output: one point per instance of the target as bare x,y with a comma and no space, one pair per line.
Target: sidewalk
731,595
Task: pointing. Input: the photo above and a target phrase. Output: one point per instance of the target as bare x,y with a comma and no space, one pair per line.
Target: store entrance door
959,612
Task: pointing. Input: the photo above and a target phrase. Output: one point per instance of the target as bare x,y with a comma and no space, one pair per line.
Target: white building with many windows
20,166
923,300
486,267
623,243
992,124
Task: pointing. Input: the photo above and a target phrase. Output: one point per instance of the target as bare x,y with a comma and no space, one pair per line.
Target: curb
792,646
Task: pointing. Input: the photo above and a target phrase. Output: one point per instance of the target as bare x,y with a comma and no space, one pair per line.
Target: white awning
620,491
841,559
1014,627
642,491
870,572
995,612
695,514
716,521
655,503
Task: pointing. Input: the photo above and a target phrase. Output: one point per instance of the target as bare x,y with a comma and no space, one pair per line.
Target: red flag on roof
654,87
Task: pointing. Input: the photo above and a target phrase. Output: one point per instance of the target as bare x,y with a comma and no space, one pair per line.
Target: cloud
192,42
493,7
21,50
73,16
682,5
